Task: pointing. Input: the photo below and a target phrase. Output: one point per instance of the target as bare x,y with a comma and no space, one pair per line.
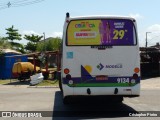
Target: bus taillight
136,70
66,71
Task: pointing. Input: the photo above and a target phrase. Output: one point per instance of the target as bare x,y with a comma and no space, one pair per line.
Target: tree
14,35
19,47
4,44
50,44
33,40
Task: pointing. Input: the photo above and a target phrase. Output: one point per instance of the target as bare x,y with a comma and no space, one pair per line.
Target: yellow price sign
118,34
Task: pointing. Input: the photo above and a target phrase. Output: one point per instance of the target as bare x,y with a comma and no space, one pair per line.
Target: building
7,58
150,61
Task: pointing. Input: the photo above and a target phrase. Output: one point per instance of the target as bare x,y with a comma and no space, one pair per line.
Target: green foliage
40,47
13,34
48,83
35,43
30,47
50,44
4,44
19,47
57,43
33,40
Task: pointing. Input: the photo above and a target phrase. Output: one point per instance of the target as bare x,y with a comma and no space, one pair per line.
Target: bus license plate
102,77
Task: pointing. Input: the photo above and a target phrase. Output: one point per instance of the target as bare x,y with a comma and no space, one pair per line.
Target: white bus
100,57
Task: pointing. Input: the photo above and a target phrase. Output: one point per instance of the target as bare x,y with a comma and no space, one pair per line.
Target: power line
154,37
14,1
1,8
28,3
18,3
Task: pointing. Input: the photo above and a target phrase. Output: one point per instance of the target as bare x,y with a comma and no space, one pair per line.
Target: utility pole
146,42
46,54
146,39
44,41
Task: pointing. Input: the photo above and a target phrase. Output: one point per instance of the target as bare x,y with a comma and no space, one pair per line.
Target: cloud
56,34
154,28
29,32
136,16
153,35
53,34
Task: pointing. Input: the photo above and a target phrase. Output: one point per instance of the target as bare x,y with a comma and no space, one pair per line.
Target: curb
26,86
42,87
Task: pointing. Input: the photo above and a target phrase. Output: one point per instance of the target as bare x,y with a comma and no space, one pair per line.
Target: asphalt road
22,98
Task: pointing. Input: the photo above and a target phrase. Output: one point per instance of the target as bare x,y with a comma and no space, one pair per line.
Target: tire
60,85
66,100
119,99
58,77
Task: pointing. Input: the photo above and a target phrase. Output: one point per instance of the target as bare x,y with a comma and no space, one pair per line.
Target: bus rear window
101,32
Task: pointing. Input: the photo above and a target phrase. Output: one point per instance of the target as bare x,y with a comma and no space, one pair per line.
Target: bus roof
102,17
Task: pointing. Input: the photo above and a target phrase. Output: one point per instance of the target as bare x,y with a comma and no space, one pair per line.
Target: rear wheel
66,100
58,76
60,85
118,99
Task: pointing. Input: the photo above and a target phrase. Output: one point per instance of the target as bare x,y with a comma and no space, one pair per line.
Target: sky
47,16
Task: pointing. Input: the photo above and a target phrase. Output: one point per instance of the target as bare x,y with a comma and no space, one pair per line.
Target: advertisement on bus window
101,32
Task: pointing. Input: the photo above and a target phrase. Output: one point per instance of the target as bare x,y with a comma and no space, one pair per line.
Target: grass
7,81
17,82
48,83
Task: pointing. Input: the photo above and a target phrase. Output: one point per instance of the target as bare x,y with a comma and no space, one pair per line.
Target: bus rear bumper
133,91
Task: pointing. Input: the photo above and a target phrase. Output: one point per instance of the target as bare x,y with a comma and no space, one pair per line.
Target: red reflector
136,70
101,77
66,71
